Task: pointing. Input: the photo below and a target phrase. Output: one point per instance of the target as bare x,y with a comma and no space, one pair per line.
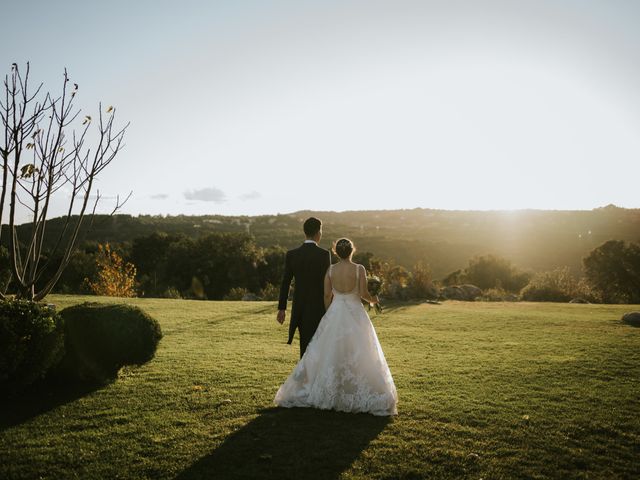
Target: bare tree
44,155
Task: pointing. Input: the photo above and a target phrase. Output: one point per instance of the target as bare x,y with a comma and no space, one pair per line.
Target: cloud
250,196
210,194
94,196
160,196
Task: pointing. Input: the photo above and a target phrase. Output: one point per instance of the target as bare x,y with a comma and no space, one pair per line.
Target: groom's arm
284,288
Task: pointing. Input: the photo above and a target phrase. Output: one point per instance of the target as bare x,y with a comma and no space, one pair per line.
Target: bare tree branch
40,127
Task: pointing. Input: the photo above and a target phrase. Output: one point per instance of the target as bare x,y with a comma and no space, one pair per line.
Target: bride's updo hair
344,248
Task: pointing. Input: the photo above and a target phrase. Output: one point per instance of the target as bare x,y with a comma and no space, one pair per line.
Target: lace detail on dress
343,367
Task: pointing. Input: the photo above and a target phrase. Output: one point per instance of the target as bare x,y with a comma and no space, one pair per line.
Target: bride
343,367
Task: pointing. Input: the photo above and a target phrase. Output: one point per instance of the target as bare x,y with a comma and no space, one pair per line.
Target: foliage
545,240
395,282
150,256
399,283
236,293
31,341
206,267
102,338
82,265
270,266
443,238
171,292
421,282
555,286
613,270
498,295
584,291
491,271
366,259
5,270
466,374
453,278
270,292
116,278
226,259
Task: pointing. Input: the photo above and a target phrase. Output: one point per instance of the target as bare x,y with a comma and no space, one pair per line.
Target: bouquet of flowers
374,285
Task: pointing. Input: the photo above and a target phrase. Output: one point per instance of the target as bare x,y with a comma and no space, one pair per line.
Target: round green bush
31,342
100,339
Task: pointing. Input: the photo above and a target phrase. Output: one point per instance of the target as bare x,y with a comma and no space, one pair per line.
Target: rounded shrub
31,342
101,338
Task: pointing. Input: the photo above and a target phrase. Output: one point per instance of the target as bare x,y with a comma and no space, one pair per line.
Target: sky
261,107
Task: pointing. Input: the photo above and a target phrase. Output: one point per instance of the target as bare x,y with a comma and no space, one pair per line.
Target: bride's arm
364,291
328,293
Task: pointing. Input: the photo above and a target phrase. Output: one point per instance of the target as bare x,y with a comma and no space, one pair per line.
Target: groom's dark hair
311,226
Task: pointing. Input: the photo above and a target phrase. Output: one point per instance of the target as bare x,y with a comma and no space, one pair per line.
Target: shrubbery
102,338
270,292
395,282
421,283
498,295
31,342
494,272
555,286
236,293
115,277
171,292
489,272
613,270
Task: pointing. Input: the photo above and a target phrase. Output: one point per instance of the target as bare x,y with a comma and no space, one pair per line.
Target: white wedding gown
343,367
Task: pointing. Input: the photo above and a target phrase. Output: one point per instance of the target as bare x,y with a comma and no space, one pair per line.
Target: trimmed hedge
101,338
31,342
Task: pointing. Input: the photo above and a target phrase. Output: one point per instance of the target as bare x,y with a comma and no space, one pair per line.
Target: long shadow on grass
290,443
39,399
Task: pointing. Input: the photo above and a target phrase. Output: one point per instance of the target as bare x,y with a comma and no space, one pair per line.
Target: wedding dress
343,367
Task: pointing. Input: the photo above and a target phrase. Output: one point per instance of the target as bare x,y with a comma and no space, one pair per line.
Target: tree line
220,266
534,240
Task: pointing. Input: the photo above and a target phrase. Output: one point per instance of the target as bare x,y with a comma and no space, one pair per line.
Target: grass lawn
487,390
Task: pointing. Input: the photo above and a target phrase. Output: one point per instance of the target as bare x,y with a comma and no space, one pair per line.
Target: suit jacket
307,264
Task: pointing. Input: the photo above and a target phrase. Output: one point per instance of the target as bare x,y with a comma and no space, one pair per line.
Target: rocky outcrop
467,293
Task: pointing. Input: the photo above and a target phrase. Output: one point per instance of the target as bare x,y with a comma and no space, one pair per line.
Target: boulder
452,293
632,318
471,291
466,293
250,297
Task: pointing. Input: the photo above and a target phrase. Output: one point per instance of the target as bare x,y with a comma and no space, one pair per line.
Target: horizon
252,109
311,212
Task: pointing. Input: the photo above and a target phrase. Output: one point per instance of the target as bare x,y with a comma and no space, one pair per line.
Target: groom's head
312,228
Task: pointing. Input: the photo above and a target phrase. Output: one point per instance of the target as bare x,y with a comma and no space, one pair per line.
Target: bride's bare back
343,276
346,277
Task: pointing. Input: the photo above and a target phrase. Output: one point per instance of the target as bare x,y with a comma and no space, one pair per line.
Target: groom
307,264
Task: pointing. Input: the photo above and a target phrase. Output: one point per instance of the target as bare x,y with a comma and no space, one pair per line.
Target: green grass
467,375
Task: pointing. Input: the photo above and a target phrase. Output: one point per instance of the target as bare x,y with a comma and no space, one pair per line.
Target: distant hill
532,239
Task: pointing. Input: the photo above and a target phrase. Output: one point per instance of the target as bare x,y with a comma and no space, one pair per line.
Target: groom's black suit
307,264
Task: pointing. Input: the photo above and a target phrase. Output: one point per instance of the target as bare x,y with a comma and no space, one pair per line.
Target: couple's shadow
290,443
